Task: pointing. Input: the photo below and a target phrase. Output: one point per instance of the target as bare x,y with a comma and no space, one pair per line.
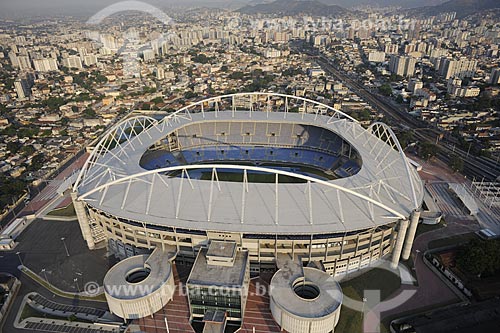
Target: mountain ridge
294,7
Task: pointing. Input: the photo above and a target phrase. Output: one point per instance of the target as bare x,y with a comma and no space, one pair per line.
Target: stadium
274,174
312,182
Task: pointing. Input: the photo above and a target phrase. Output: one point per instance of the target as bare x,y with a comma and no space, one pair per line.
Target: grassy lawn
67,211
351,321
453,240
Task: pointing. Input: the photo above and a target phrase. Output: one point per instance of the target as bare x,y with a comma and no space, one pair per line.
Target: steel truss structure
387,189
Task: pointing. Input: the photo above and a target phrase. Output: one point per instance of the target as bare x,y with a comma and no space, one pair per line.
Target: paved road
430,290
27,286
41,247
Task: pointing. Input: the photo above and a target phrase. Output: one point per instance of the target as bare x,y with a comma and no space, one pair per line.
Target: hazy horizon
34,8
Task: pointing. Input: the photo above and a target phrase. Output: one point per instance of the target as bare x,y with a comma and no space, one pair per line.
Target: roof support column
83,220
415,216
396,252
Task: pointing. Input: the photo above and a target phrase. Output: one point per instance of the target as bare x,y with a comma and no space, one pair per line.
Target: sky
26,8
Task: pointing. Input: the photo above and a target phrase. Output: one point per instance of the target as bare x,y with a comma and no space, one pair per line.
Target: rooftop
211,275
115,183
221,249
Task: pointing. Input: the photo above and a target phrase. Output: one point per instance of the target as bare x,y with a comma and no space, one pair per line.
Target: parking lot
38,299
42,250
56,326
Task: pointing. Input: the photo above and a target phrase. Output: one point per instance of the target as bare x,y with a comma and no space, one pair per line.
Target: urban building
402,66
461,68
219,281
376,56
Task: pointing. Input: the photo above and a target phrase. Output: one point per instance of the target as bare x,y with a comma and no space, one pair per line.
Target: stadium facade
275,174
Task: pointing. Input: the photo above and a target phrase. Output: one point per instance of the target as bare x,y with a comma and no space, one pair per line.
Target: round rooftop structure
139,286
305,299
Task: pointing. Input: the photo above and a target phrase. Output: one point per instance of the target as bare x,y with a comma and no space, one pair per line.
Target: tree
189,94
13,147
157,100
201,59
236,75
456,163
405,138
428,150
28,150
400,99
89,113
478,257
364,115
385,89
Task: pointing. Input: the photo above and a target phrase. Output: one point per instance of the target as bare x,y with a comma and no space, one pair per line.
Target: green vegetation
89,113
67,211
292,71
405,138
362,115
36,163
456,163
10,190
385,89
236,75
189,94
428,150
157,100
479,257
201,59
376,279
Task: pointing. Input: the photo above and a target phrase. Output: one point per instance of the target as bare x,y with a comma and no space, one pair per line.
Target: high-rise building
45,65
148,55
13,59
72,62
461,68
495,76
90,60
24,62
20,40
22,88
391,48
160,73
402,66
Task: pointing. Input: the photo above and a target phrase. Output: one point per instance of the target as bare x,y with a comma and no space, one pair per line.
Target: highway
474,167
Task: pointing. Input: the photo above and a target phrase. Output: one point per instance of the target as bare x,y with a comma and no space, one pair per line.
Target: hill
462,7
294,7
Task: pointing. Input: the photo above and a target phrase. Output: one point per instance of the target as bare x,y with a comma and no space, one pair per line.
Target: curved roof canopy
386,188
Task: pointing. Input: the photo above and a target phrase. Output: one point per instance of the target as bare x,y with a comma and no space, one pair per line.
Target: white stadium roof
386,188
